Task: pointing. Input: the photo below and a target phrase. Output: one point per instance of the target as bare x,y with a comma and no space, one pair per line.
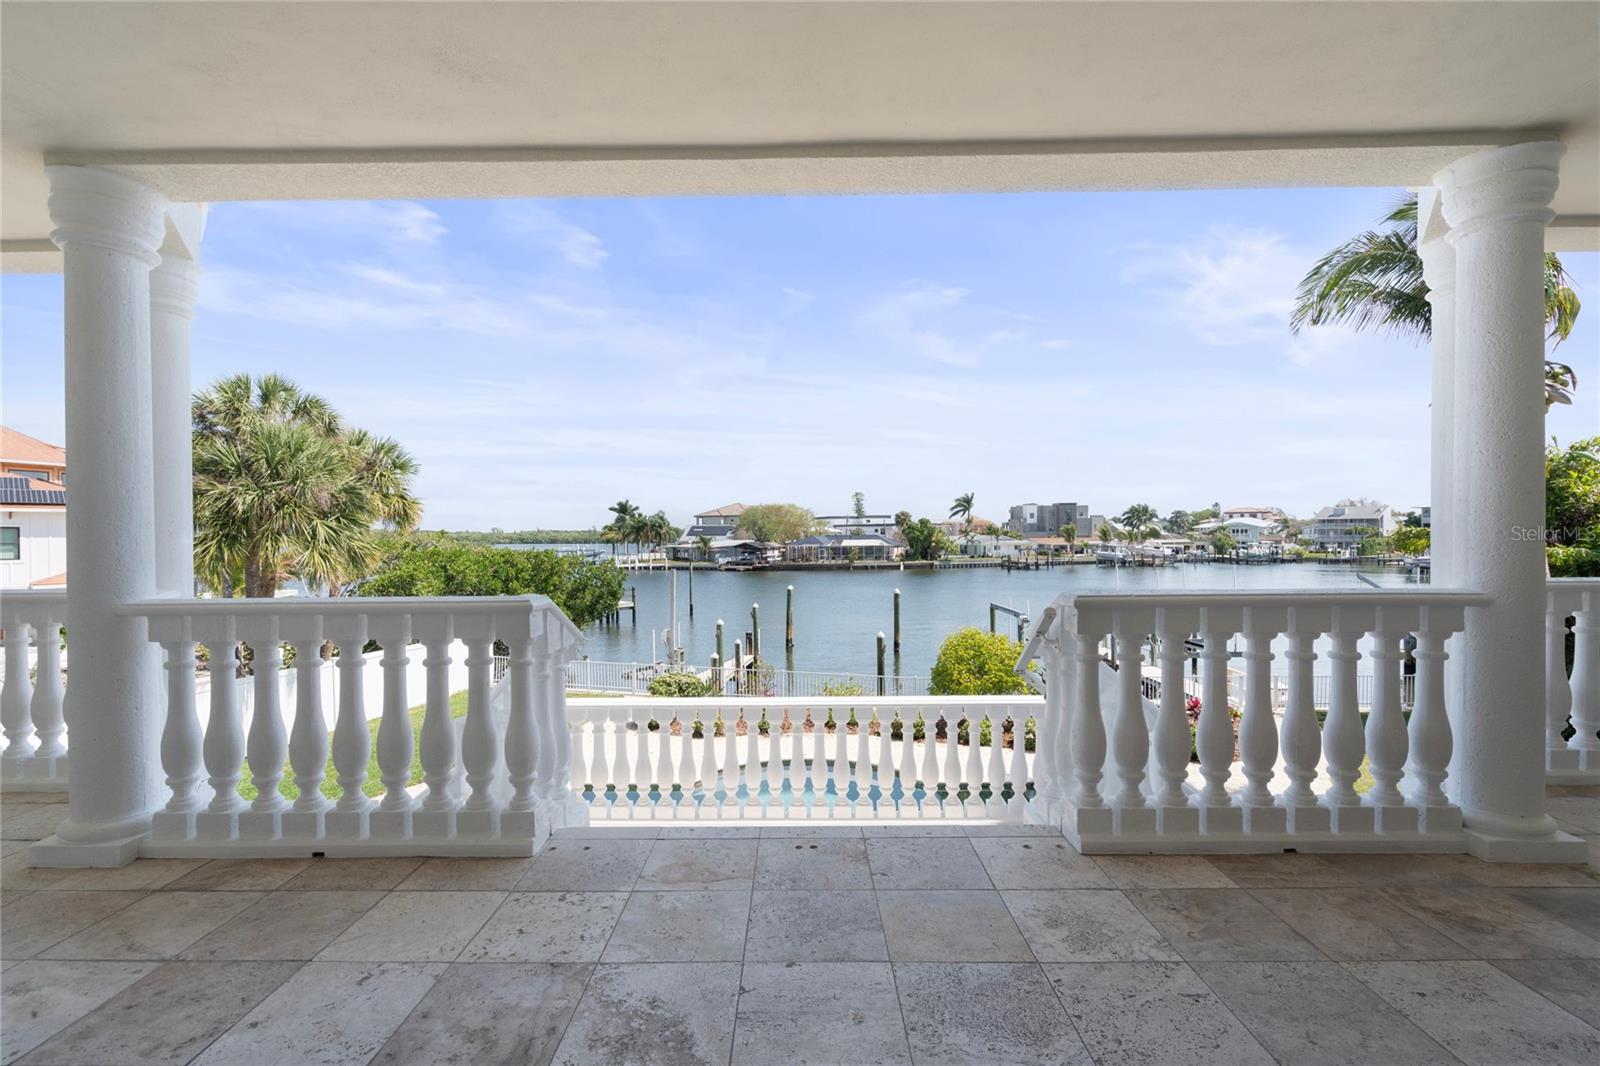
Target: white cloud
402,221
796,299
578,246
902,319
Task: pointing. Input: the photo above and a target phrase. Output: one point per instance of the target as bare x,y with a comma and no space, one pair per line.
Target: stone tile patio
922,945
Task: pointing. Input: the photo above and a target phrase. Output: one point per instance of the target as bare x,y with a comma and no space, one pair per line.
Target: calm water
837,614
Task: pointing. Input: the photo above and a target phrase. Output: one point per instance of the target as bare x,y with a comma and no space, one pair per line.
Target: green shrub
1573,560
841,688
680,684
974,663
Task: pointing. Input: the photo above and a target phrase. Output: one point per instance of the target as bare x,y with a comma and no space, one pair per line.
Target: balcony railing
1116,769
32,704
1572,703
821,758
493,785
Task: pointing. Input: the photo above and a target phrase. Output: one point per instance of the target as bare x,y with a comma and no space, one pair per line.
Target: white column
1439,271
1497,203
108,228
174,287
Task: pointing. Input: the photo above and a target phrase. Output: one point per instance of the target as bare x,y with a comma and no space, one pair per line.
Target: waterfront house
121,119
33,512
1247,531
843,547
1048,518
1264,514
875,525
1339,527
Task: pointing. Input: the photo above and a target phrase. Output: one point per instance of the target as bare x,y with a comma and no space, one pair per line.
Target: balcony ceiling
230,101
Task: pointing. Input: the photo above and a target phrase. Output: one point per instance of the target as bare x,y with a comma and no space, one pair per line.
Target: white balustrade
1572,702
1266,775
31,702
882,757
508,739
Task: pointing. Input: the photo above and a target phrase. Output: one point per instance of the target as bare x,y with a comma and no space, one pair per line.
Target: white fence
33,703
760,679
831,758
1115,772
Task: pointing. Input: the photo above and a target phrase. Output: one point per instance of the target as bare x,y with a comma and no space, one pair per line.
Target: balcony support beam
109,228
174,288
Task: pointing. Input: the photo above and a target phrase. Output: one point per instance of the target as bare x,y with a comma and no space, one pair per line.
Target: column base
54,852
1556,847
34,773
1571,766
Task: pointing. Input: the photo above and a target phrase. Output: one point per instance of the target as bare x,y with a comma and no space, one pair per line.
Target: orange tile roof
51,582
20,448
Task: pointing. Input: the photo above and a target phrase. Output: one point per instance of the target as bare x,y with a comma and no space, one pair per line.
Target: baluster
1062,674
1557,689
599,776
352,741
560,731
16,712
1130,737
950,777
526,767
49,725
620,776
1386,727
585,725
729,774
930,762
480,745
908,763
223,747
1170,745
686,776
749,767
180,744
974,770
1088,728
1214,731
641,757
797,759
884,767
997,773
396,745
268,743
1258,733
438,743
1431,741
1342,739
308,739
774,766
1299,737
708,764
1586,682
662,782
863,767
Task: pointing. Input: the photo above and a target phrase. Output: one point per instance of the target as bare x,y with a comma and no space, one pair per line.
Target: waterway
838,614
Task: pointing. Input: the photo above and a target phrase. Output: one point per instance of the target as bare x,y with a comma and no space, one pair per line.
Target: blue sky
544,358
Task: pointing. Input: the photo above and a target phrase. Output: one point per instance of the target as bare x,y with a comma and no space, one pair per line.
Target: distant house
1245,531
33,512
1271,515
1338,527
717,522
721,550
956,527
1048,518
878,525
842,547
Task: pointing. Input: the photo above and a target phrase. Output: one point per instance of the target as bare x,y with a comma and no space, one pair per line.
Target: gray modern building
1048,518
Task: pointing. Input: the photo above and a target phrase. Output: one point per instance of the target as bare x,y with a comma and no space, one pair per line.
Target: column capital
96,208
1511,184
175,286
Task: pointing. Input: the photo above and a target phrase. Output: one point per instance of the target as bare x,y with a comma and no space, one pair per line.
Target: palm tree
1069,533
622,524
703,542
1139,516
283,488
962,509
1374,280
1107,533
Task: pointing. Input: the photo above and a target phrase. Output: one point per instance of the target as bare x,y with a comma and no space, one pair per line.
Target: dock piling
897,621
719,640
880,661
788,618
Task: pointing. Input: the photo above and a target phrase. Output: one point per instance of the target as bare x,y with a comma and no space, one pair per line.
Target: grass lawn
373,786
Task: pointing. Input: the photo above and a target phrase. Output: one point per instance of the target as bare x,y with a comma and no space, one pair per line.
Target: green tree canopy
777,523
925,541
1411,540
1572,508
1222,541
416,566
974,663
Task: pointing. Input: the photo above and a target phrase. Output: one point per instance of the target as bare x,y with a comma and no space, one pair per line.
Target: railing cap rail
1278,598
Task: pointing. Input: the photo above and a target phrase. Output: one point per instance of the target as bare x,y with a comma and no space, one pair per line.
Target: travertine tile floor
773,946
